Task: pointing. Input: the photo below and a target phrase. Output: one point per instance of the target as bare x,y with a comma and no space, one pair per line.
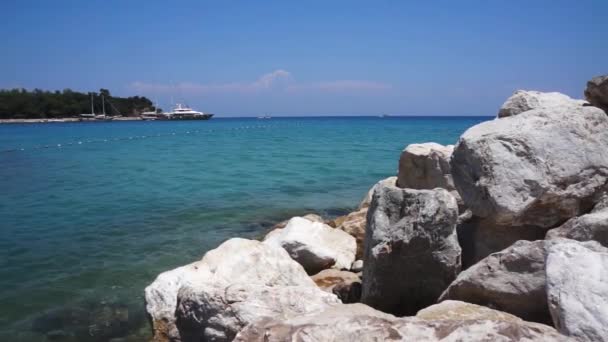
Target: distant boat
384,116
92,115
264,117
183,113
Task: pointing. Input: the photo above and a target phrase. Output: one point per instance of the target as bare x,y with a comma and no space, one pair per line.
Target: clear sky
241,58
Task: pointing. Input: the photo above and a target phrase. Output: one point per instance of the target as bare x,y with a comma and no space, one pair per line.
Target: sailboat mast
103,106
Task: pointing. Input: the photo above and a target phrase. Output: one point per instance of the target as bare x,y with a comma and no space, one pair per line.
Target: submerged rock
411,249
538,168
524,100
357,322
344,284
233,262
577,289
314,245
512,280
597,92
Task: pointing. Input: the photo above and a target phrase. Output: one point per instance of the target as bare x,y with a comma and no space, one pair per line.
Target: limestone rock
314,245
538,168
310,217
592,226
234,261
357,266
512,280
577,289
597,92
425,166
411,249
357,322
346,285
213,312
354,224
524,100
367,200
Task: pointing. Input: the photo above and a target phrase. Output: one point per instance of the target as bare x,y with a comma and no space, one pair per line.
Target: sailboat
92,115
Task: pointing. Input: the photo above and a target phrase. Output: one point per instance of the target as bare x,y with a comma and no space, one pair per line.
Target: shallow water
90,213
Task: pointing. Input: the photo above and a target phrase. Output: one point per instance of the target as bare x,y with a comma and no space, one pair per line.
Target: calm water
86,225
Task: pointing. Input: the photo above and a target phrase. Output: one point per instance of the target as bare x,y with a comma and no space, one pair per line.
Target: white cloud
276,80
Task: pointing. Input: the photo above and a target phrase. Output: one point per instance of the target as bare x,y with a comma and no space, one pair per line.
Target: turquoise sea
90,213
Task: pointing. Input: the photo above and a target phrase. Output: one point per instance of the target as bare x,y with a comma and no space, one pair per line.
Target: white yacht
184,113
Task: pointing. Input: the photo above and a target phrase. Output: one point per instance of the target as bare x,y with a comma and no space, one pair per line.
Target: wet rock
357,322
577,289
234,261
512,280
411,249
314,245
524,100
538,168
346,285
597,92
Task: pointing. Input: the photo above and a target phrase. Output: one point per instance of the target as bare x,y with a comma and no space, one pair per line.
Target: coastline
61,120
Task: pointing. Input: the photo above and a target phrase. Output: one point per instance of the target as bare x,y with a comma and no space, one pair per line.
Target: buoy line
139,137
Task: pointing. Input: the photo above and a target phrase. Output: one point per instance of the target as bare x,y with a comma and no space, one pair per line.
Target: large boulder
344,284
367,200
354,224
597,92
592,226
357,322
411,248
512,280
425,166
538,168
216,312
233,262
524,100
314,245
577,289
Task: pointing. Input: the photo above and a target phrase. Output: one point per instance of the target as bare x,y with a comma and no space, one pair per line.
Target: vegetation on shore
20,103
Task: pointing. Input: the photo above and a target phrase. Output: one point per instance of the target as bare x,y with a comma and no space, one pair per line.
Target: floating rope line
139,137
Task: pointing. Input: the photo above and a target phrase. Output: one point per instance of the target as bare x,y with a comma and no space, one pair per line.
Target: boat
183,113
264,117
98,117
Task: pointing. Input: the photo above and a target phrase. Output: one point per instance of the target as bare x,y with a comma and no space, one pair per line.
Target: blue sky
238,58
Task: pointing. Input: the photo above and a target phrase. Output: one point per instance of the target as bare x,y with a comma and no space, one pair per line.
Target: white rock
537,168
577,289
524,100
316,246
368,197
357,266
234,261
358,322
592,226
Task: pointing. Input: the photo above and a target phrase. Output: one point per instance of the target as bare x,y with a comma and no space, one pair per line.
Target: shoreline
63,120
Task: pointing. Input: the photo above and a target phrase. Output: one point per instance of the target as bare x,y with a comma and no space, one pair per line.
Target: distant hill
23,104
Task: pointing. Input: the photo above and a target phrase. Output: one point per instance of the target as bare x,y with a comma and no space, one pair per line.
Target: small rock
357,266
368,197
314,245
597,92
346,285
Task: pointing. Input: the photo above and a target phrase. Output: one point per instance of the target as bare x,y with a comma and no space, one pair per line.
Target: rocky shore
501,237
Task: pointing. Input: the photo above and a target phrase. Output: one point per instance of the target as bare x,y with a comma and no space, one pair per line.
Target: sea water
90,213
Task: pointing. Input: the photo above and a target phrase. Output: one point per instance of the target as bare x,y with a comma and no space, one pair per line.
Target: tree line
20,103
